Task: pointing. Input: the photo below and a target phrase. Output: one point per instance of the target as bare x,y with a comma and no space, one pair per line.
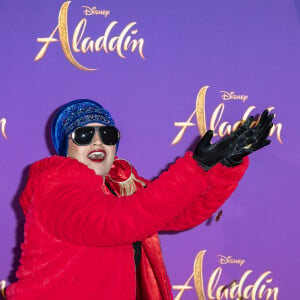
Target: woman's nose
97,139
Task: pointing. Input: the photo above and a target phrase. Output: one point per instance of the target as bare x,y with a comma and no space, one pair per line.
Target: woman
92,221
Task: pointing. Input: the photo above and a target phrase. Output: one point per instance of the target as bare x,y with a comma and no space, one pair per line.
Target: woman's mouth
97,156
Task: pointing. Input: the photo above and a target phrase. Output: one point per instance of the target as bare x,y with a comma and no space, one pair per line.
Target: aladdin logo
3,125
120,43
244,288
89,11
220,129
232,96
224,260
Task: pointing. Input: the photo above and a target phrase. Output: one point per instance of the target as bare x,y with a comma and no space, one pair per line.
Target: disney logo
89,11
233,96
224,260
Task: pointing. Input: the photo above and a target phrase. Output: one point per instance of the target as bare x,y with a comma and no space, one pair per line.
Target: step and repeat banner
167,71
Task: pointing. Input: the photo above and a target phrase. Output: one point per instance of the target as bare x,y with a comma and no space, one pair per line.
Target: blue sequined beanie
75,114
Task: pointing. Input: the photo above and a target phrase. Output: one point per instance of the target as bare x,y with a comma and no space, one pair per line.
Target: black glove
258,134
207,155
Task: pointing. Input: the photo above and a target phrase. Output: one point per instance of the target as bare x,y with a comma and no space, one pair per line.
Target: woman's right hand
207,155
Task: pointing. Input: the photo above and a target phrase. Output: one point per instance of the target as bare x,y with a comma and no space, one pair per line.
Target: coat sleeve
222,181
77,211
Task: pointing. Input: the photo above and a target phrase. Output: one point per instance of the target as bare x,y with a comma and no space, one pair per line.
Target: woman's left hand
258,133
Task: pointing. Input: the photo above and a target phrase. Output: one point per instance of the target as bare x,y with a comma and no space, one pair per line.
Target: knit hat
76,114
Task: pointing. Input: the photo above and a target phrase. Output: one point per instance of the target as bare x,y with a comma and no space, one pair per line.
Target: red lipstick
97,155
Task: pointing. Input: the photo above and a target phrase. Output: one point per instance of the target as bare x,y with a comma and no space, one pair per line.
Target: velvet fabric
78,236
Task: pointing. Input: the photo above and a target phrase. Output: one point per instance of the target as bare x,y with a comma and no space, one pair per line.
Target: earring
121,174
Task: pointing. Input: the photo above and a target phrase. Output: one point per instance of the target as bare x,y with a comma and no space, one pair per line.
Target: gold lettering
200,110
2,286
101,42
271,292
182,288
257,284
121,38
236,125
242,281
134,44
222,291
79,44
247,291
64,36
213,281
47,41
220,129
62,28
216,117
3,126
78,33
275,127
198,275
113,43
89,11
235,290
247,113
229,260
232,96
184,126
224,129
87,45
268,292
262,291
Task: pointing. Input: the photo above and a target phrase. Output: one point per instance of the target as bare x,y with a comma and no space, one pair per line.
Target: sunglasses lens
83,135
109,134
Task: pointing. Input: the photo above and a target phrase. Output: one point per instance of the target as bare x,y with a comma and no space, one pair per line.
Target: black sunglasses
83,136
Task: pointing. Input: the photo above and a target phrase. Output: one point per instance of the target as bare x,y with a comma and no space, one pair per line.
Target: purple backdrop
247,52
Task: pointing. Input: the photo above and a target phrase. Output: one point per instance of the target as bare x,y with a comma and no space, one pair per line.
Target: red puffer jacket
78,237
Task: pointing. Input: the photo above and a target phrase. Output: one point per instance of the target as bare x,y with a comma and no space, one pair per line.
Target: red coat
78,237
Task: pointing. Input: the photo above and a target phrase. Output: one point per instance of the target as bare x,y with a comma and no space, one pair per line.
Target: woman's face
89,154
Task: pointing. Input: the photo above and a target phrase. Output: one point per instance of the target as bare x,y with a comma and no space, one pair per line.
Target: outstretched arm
222,181
70,205
223,177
